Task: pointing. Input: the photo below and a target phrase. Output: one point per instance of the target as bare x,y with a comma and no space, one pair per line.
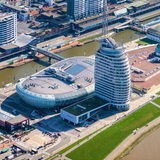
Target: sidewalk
130,139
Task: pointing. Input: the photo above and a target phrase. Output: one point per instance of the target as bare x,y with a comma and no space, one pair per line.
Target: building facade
112,75
50,2
8,28
80,9
153,34
61,84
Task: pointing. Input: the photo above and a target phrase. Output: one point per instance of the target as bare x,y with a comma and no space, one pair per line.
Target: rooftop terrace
63,77
85,106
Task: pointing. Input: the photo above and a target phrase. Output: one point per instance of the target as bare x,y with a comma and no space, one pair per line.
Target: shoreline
39,56
137,141
131,139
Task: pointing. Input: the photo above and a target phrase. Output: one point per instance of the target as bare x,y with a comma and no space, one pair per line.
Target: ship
60,84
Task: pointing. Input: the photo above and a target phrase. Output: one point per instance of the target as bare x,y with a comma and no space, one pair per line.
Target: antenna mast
105,19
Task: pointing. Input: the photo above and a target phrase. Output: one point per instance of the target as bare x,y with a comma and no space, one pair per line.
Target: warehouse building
11,123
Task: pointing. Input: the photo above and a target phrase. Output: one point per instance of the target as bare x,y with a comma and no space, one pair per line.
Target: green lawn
1,138
158,93
90,37
157,100
88,104
101,145
71,146
146,41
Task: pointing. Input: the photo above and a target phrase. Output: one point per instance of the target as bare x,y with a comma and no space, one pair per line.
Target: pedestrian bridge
46,53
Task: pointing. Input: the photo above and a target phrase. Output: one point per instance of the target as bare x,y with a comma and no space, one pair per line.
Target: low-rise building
11,123
81,111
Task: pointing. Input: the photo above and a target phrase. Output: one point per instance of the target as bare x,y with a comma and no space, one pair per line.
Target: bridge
49,54
124,25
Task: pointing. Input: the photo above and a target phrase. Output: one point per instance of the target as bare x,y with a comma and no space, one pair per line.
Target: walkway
130,139
155,104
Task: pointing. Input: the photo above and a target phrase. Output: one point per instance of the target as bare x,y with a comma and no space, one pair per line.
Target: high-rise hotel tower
79,9
8,28
112,74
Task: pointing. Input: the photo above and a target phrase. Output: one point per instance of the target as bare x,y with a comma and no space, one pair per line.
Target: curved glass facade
45,90
112,75
50,101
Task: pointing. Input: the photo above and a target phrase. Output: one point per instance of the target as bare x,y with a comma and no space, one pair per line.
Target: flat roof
138,59
139,3
23,40
136,4
85,106
18,119
11,6
4,117
63,77
2,15
8,46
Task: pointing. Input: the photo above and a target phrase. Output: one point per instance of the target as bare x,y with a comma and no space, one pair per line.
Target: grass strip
90,37
137,141
158,93
157,100
103,143
71,146
146,41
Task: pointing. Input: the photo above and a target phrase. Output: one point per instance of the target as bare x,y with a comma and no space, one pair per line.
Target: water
13,74
147,149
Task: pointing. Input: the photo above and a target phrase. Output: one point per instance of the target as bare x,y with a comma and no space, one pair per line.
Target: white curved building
112,74
8,28
61,84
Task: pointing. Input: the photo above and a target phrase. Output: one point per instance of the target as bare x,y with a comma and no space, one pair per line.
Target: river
13,74
147,149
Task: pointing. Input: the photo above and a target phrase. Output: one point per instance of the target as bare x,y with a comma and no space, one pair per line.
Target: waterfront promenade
132,138
127,142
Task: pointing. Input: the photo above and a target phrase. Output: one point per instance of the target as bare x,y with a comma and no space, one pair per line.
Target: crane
105,19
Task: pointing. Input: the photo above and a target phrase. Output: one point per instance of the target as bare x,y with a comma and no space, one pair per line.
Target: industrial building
112,74
8,28
85,8
11,123
59,85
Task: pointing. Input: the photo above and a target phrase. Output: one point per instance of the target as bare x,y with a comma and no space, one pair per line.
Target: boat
4,150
